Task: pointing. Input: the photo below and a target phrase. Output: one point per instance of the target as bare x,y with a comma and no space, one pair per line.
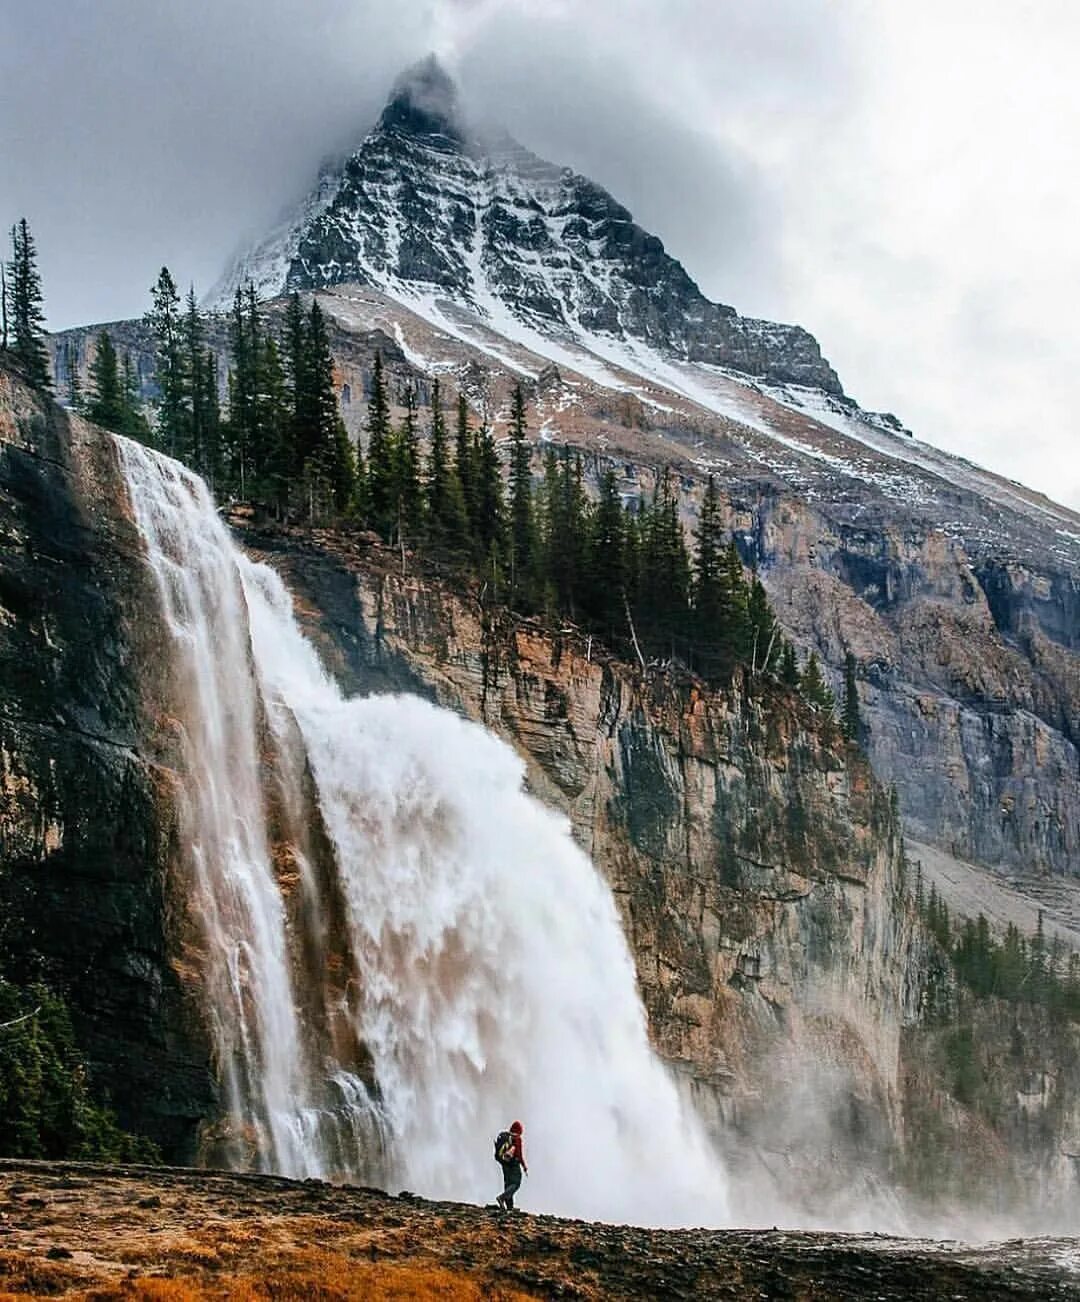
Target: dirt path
102,1233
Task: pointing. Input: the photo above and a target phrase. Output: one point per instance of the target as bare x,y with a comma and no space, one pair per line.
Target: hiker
510,1154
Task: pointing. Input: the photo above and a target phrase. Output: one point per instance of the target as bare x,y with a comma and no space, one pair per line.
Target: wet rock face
86,815
754,863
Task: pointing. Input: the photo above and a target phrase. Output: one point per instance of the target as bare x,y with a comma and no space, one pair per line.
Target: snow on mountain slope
427,205
529,264
819,445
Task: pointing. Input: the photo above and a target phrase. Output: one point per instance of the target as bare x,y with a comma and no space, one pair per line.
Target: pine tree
274,417
241,398
136,426
210,409
710,595
107,404
522,528
605,564
194,451
76,399
551,539
737,634
330,470
172,380
267,392
490,527
633,522
410,497
560,562
463,465
360,508
445,505
26,317
662,616
815,689
382,485
851,719
348,469
288,459
789,667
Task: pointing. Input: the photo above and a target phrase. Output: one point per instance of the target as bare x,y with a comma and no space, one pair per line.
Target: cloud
899,179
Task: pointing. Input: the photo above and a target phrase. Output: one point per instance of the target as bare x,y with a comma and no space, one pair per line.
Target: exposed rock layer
427,205
756,865
87,799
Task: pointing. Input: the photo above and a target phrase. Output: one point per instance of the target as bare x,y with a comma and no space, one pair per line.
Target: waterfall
401,950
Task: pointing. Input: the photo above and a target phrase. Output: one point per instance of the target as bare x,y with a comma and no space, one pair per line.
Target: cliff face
759,873
958,593
970,677
87,813
756,864
755,860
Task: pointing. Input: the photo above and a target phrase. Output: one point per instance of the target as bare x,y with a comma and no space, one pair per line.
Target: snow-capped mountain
427,208
958,591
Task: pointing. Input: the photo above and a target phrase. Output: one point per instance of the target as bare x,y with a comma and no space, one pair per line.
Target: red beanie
517,1128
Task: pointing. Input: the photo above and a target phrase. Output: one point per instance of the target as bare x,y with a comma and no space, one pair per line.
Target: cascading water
485,972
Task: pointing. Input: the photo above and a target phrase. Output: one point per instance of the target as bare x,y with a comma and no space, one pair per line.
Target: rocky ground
74,1231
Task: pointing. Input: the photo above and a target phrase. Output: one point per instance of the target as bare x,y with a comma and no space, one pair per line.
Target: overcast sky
899,176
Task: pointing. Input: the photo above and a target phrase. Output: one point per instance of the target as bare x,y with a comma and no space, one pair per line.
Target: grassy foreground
105,1234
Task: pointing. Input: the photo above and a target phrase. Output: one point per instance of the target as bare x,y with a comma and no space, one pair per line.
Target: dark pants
511,1182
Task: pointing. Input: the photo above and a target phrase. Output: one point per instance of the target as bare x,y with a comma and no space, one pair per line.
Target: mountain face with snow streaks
957,591
427,208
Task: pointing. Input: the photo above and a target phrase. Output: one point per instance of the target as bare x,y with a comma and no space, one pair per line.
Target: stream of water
399,950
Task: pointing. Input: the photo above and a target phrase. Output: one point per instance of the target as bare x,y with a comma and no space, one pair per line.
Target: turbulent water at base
399,949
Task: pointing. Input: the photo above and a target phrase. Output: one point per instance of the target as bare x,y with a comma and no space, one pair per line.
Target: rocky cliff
759,871
957,592
754,858
87,809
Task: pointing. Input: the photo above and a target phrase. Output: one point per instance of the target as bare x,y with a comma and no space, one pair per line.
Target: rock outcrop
87,811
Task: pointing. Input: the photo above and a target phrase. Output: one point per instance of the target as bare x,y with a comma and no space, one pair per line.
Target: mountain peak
429,207
423,102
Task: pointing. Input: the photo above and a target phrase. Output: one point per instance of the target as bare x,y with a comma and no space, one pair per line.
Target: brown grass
314,1278
23,1274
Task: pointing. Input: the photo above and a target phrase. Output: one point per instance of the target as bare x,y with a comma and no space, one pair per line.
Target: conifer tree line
113,399
1015,967
628,576
22,309
280,438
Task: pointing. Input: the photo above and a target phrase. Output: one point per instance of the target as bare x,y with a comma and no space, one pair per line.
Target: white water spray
487,974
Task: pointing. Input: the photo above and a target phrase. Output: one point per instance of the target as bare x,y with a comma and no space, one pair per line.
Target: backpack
504,1146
